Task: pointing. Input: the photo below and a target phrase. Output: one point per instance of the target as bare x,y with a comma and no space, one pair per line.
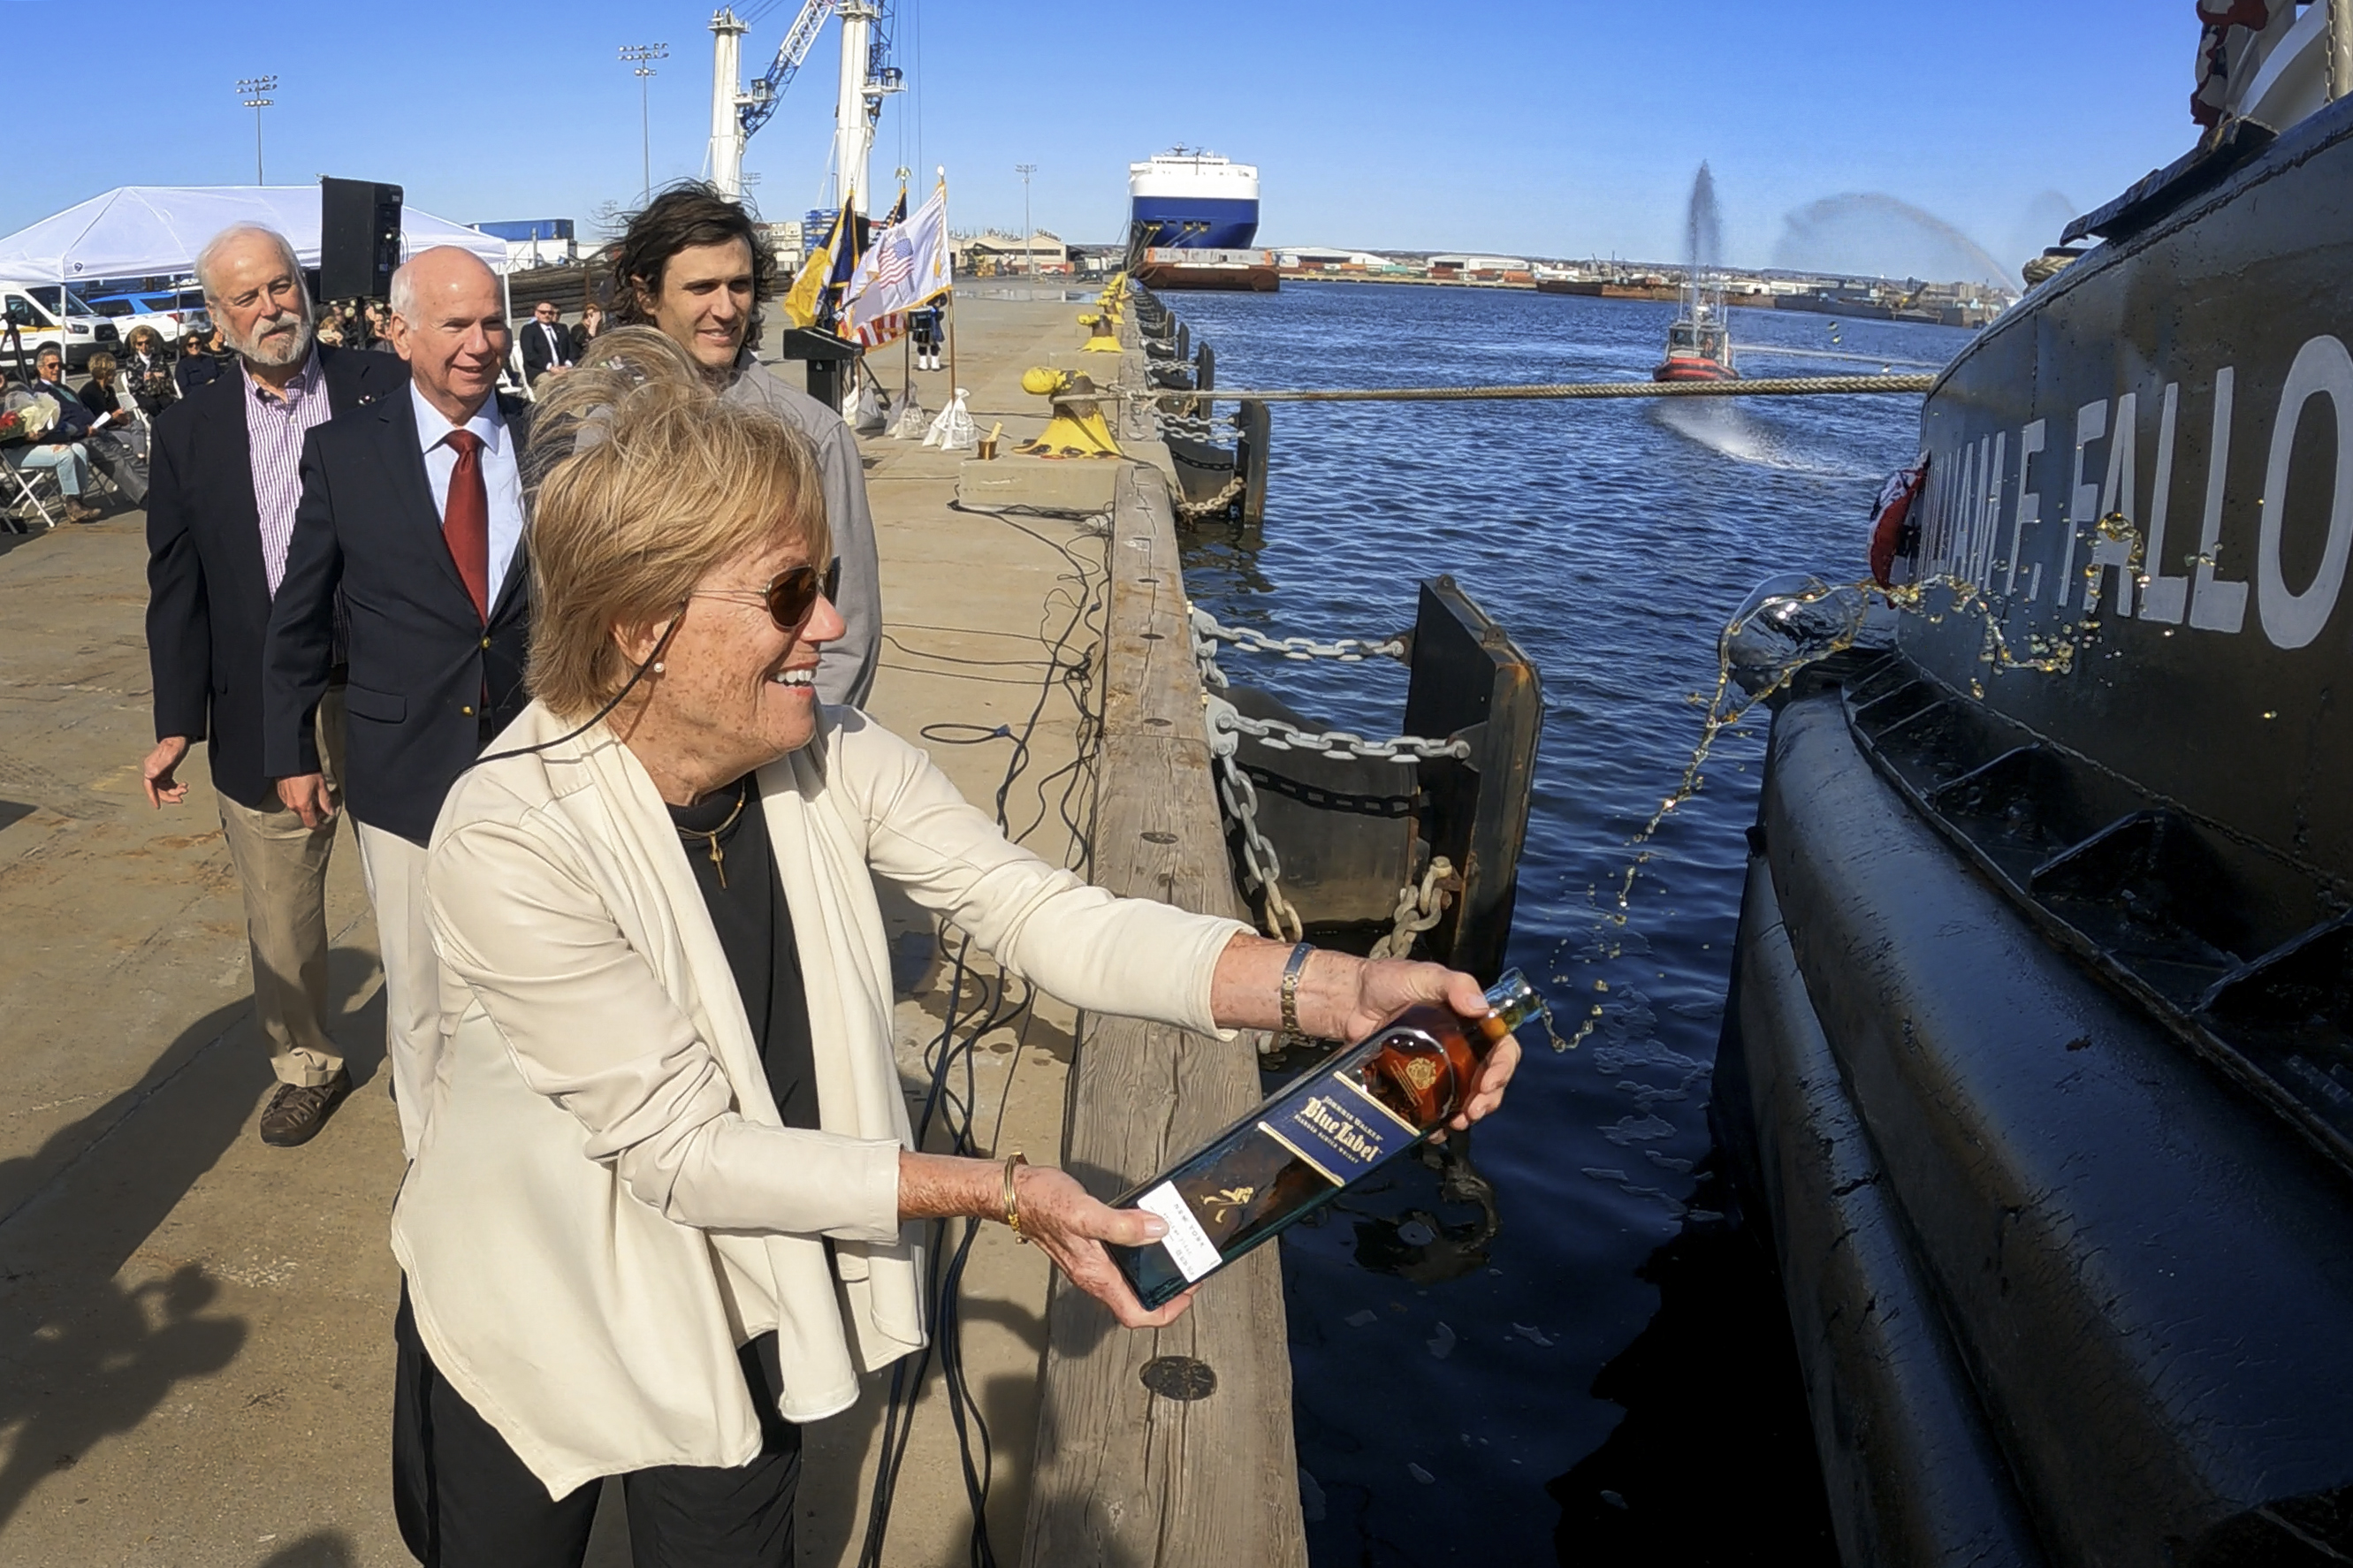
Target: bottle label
1335,1124
1189,1247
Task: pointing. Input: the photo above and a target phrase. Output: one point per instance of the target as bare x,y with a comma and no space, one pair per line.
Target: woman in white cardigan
665,1203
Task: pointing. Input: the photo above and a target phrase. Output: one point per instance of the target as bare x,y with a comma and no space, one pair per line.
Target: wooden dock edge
1124,1478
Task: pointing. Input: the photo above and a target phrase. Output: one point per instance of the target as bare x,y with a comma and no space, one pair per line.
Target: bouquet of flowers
25,417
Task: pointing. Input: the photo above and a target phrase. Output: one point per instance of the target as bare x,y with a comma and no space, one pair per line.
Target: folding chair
20,496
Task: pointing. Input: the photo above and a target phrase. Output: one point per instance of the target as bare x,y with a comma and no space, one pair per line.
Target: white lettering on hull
2322,369
2163,599
2216,604
2112,547
2083,500
2029,502
2130,557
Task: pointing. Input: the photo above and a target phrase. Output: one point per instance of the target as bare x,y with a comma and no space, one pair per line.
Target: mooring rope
1761,386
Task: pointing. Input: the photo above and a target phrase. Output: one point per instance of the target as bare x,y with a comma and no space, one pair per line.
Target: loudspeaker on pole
359,238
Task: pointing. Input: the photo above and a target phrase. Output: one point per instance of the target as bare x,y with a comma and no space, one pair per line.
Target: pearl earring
658,666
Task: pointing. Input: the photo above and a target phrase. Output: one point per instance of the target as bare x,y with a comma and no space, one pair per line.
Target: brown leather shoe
296,1112
77,512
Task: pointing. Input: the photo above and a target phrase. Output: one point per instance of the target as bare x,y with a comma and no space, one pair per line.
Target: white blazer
605,1203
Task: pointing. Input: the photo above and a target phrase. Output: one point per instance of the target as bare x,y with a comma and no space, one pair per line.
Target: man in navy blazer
547,344
225,484
413,508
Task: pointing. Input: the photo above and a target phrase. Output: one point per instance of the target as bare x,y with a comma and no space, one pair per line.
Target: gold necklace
719,856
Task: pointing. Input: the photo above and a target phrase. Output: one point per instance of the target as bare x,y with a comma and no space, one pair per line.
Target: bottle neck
1512,1001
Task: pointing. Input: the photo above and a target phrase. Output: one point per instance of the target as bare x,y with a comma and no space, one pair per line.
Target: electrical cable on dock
1569,391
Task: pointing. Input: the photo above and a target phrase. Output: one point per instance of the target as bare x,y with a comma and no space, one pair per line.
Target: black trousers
465,1500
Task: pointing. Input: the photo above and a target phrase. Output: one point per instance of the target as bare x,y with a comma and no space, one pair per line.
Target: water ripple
1612,539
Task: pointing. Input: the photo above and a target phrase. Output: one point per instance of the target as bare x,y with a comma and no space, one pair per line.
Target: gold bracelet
1291,973
1012,1207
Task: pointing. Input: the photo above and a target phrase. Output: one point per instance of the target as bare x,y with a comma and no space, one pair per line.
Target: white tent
139,231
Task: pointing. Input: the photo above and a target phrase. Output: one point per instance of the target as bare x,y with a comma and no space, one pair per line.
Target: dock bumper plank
1126,1478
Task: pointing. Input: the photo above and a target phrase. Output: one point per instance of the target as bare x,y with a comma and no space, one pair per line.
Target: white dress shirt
501,475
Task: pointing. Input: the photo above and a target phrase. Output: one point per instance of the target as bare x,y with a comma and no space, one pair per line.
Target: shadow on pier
85,1353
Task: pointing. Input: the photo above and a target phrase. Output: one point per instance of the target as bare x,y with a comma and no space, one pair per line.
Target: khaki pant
282,868
412,973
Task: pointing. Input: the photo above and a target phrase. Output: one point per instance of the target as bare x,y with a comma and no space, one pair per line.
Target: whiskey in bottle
1296,1151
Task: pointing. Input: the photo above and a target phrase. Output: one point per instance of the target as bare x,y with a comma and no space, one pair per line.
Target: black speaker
359,238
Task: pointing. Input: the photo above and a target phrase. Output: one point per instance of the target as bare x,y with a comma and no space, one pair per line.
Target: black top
197,368
100,399
746,901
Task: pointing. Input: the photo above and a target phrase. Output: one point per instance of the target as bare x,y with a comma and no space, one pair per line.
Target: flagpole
952,372
907,337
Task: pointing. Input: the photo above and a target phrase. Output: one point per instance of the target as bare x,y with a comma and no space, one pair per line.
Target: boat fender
1893,532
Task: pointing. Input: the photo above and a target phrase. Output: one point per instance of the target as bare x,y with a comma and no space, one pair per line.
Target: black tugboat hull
2040,1054
2022,1233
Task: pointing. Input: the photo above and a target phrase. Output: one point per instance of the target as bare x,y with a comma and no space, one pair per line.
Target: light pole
254,93
1029,254
642,56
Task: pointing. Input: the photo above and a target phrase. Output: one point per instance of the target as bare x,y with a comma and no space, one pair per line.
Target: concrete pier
195,1351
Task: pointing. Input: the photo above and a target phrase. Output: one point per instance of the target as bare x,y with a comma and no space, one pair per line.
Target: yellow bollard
1077,430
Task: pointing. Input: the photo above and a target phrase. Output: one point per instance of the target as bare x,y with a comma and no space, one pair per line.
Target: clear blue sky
1545,127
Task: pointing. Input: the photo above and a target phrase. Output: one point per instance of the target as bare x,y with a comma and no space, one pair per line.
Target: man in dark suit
225,482
413,508
547,344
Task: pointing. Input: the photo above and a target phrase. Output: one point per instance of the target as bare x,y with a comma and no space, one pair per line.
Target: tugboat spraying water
1699,345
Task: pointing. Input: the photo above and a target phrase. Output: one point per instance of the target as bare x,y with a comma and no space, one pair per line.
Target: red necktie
466,519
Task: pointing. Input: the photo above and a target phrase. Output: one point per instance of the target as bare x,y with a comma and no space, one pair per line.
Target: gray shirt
847,673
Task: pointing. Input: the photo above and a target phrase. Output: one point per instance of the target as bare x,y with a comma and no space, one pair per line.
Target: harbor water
1554,1339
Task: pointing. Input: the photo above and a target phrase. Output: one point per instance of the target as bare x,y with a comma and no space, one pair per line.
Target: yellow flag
808,293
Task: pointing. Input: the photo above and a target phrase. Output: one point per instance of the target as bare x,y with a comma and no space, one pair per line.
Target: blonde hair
643,481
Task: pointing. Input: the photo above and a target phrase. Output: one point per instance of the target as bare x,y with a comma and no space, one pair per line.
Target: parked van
49,315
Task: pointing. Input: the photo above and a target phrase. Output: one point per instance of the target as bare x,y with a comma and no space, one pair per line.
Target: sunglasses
790,596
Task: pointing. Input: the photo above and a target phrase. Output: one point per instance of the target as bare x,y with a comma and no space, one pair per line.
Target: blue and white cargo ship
1193,200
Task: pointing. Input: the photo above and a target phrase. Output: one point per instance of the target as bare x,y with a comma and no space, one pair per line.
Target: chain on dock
1419,907
1347,650
1212,506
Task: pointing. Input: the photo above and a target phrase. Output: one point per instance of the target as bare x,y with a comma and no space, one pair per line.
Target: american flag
905,266
883,330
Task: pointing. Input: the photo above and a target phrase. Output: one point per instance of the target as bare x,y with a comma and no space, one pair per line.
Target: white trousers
394,869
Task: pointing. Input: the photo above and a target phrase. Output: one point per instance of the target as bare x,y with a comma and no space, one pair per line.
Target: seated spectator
117,440
102,396
591,326
64,453
146,371
200,360
547,344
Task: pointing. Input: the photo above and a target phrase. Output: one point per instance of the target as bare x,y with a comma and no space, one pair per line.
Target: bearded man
225,482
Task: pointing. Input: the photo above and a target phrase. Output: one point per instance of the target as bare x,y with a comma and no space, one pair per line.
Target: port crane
867,78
